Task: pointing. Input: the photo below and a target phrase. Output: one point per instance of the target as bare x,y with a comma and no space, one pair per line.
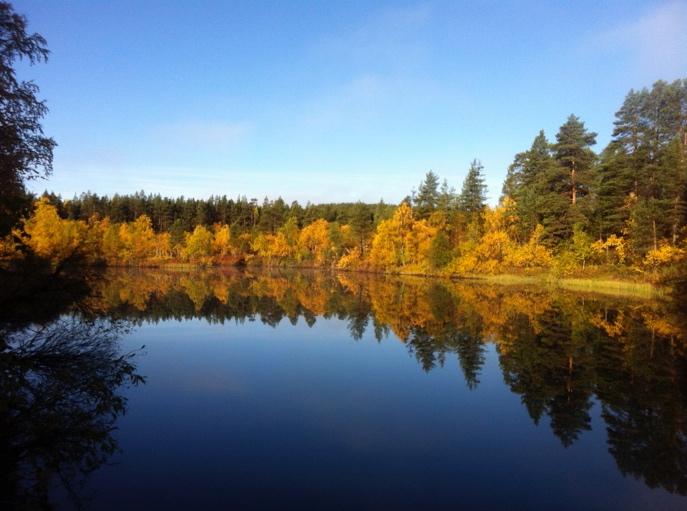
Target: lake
228,389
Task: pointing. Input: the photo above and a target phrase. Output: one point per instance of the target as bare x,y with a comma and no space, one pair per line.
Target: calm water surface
239,390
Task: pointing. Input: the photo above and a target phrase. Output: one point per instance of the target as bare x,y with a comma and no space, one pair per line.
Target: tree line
563,208
183,214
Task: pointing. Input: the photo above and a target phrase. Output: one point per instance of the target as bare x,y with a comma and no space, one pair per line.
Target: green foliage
427,197
362,224
581,246
572,152
472,199
643,174
440,253
199,244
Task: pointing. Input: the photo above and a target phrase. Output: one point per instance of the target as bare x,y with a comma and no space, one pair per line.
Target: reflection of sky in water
247,415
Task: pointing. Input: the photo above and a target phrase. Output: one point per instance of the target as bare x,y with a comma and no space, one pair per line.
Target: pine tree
573,153
361,223
562,179
641,180
673,170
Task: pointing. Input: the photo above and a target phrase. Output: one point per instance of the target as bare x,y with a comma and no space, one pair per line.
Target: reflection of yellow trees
661,325
198,290
129,288
613,325
402,305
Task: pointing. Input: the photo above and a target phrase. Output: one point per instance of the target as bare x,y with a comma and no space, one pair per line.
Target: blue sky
330,101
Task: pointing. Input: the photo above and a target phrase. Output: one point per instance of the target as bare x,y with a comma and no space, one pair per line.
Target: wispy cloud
387,39
656,42
357,100
212,134
384,56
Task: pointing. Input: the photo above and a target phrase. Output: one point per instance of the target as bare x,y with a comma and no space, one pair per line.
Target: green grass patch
608,286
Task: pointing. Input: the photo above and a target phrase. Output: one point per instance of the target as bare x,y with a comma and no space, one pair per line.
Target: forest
564,210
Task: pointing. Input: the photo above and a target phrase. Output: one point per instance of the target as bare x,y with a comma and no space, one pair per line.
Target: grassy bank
606,285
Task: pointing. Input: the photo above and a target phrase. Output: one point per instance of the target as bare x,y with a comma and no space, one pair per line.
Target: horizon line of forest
564,208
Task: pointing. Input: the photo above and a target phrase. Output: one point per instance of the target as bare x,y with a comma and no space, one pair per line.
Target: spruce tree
614,181
526,184
427,197
472,199
447,198
627,136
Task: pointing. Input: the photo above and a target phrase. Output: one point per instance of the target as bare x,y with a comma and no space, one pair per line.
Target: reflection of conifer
471,355
642,386
424,348
357,324
519,364
545,370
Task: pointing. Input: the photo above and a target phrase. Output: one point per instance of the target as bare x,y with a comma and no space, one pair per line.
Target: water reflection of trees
557,351
60,396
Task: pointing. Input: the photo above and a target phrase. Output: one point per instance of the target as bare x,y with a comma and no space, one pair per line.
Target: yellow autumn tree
417,242
271,247
198,247
111,246
137,241
94,239
314,243
531,254
664,255
221,242
497,249
614,249
52,237
163,245
388,244
9,250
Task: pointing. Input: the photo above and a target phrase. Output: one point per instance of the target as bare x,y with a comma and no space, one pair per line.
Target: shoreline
605,284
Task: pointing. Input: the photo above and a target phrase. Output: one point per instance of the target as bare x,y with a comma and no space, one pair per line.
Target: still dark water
317,391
